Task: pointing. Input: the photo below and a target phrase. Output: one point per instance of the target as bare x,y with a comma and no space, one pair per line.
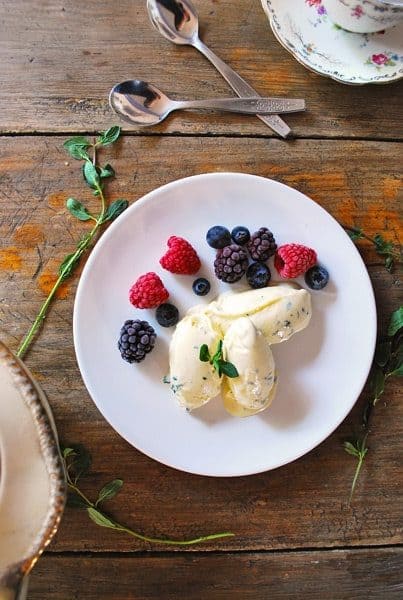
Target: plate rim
310,68
137,205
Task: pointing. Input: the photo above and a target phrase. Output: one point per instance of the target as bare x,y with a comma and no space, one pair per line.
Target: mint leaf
355,233
204,354
81,462
109,136
67,452
77,209
396,322
384,248
377,384
389,263
106,171
381,245
91,174
351,449
382,353
398,372
115,209
228,369
109,491
395,364
77,146
100,519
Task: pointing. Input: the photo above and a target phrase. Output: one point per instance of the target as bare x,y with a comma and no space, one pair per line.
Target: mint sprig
77,463
388,362
223,367
94,175
382,247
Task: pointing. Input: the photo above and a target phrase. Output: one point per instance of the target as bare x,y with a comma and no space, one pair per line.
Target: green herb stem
144,538
360,453
373,241
67,269
387,363
356,474
111,524
64,273
77,490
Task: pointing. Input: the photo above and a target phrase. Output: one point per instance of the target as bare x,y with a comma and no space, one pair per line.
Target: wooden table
296,535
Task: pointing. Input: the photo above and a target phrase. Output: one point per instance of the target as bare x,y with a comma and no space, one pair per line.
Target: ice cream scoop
247,348
193,382
277,311
248,323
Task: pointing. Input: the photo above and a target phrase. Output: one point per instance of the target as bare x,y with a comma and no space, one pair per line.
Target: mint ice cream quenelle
248,323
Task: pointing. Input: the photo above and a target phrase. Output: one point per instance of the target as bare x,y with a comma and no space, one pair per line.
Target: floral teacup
365,16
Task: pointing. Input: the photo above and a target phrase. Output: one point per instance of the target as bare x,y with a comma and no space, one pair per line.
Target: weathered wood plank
59,61
359,574
302,504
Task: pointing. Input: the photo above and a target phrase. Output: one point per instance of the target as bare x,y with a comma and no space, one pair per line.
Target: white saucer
306,31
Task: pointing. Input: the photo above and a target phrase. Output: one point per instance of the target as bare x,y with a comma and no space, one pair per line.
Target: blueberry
201,286
240,235
316,277
258,275
218,237
167,315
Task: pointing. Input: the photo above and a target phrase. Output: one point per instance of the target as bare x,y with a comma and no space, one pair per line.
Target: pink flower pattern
379,59
320,9
357,11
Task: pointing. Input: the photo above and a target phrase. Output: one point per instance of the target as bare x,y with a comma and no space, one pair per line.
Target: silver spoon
178,22
142,103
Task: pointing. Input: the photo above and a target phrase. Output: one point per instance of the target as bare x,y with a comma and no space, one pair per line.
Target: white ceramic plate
321,370
306,31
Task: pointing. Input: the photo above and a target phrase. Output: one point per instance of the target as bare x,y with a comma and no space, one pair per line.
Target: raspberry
262,245
136,339
292,260
231,263
148,291
181,258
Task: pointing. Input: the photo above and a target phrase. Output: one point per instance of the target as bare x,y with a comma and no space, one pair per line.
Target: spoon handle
240,86
246,105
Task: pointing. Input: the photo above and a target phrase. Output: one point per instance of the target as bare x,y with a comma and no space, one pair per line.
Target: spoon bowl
176,21
142,103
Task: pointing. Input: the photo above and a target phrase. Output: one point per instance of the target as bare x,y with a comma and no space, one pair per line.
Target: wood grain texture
339,575
301,505
59,60
296,537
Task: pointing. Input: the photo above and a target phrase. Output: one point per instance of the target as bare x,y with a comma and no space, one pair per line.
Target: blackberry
137,338
201,286
218,237
262,244
258,275
240,235
231,263
317,277
167,315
